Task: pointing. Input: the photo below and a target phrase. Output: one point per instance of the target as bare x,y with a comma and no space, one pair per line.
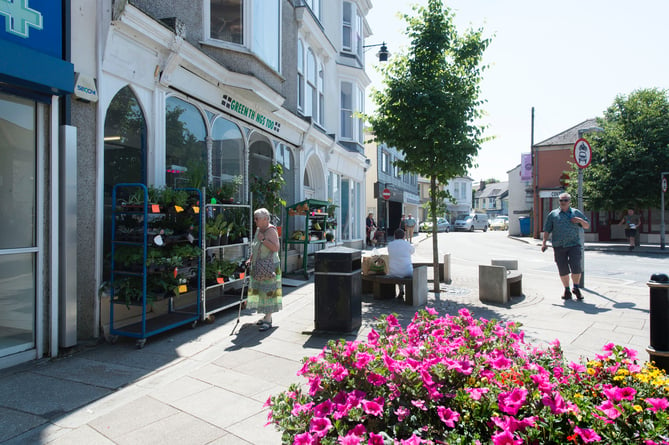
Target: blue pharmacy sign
31,42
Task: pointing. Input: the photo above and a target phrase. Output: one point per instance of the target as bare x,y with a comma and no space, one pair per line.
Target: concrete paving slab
82,435
232,380
254,430
183,387
180,428
91,372
131,417
14,423
221,407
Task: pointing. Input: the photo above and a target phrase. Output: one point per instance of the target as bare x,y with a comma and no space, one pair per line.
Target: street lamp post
383,51
663,181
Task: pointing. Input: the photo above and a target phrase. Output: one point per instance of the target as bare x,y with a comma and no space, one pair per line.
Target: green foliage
267,192
431,100
629,155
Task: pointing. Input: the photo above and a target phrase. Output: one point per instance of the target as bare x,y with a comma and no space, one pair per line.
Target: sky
568,59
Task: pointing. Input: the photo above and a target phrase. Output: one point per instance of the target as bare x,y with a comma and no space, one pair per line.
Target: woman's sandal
265,326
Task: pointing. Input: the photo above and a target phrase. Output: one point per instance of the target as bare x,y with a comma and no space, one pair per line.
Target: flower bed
460,380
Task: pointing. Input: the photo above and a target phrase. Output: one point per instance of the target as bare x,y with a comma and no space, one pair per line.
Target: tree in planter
267,192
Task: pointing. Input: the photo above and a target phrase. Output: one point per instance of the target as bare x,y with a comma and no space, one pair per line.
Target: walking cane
241,297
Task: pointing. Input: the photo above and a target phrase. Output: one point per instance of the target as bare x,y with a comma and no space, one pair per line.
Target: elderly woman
265,271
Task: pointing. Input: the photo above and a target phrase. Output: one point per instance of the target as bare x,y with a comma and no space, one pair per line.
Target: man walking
410,225
567,225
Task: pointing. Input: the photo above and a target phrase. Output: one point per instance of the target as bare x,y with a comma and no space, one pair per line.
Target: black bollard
659,320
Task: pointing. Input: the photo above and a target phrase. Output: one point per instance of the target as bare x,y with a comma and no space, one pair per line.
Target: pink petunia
476,393
609,409
314,385
431,311
323,409
420,404
362,359
339,372
413,440
375,439
304,439
501,362
448,416
350,439
320,426
372,408
510,424
555,402
588,435
373,337
657,404
359,429
299,408
401,413
505,438
510,402
577,367
376,379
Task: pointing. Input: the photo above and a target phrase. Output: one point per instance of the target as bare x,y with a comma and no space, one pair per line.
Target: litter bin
524,225
659,320
338,288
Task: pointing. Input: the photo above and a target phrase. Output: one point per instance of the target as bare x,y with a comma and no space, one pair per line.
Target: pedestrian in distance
402,221
566,225
371,229
632,223
410,225
265,294
399,258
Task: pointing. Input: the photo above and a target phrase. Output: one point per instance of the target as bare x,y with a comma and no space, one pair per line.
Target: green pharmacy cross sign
19,17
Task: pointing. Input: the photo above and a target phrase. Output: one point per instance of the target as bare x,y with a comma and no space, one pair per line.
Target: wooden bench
497,283
444,265
383,286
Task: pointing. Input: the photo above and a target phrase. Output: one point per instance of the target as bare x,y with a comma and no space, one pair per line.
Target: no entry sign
386,194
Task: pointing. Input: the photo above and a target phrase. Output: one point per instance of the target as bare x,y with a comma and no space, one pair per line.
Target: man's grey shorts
568,259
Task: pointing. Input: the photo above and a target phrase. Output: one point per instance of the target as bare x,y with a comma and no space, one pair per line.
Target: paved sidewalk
205,386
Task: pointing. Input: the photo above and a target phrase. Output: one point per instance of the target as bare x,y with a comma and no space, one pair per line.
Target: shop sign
84,88
244,110
35,24
550,193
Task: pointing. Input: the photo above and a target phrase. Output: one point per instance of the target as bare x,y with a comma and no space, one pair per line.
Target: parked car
471,222
500,223
442,225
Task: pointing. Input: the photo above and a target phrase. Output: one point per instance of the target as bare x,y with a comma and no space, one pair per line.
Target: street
473,248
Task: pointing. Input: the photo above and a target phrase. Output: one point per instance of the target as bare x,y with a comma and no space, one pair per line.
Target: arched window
185,146
227,154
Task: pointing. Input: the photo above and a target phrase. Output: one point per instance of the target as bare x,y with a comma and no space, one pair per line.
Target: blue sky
567,59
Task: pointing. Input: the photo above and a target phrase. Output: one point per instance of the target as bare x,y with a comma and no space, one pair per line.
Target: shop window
227,154
284,156
185,147
255,24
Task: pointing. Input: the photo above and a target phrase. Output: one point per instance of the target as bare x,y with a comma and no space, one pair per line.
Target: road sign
664,184
582,153
386,194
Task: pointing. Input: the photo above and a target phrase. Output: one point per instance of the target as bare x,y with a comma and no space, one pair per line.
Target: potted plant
227,192
267,193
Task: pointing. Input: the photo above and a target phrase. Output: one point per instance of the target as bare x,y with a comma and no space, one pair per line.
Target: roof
570,136
496,189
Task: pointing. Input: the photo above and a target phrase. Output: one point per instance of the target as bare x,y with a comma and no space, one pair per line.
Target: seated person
399,258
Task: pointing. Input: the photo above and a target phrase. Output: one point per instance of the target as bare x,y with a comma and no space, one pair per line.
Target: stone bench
498,282
444,265
383,286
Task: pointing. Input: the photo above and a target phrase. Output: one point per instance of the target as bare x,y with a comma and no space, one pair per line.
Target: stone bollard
659,321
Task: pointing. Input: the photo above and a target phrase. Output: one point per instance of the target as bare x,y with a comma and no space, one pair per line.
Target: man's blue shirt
565,233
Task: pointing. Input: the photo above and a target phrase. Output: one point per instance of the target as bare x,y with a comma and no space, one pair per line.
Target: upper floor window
385,162
300,75
256,24
310,89
315,6
352,31
351,106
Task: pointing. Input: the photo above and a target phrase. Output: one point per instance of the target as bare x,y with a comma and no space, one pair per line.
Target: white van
471,222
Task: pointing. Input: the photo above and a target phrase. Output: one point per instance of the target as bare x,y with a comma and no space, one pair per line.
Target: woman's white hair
262,212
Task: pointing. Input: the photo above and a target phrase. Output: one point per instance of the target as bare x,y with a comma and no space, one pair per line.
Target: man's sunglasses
564,200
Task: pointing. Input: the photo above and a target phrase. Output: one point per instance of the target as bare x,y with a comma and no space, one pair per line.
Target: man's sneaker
577,292
567,295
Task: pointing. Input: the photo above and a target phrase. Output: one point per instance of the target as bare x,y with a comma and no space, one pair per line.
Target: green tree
430,101
629,154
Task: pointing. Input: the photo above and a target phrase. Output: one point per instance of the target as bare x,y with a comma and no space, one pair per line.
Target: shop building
36,149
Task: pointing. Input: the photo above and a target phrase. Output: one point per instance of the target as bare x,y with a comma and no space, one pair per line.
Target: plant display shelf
310,233
128,280
227,291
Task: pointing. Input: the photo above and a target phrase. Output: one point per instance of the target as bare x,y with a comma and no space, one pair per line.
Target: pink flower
413,440
314,385
304,439
376,379
657,403
631,353
299,409
476,393
501,362
375,439
339,373
431,311
320,426
373,337
577,367
359,429
350,439
420,404
617,394
588,435
362,359
372,408
323,409
555,402
609,409
448,416
401,413
510,424
511,401
505,438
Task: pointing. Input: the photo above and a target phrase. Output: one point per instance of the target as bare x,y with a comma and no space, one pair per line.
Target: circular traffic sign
386,194
582,153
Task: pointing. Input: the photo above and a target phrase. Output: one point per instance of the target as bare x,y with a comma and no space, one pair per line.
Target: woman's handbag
264,269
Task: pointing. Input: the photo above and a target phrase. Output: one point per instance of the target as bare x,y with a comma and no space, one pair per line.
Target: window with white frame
311,105
352,106
321,94
385,162
255,24
396,170
300,75
352,29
